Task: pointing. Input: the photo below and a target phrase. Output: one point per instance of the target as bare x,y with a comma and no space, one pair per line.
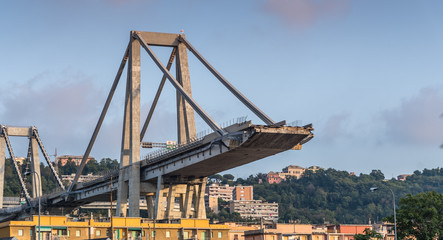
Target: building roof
294,166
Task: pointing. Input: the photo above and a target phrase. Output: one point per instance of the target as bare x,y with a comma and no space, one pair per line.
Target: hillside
338,197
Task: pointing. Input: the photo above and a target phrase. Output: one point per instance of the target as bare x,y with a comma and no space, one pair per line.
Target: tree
420,216
368,234
218,178
228,177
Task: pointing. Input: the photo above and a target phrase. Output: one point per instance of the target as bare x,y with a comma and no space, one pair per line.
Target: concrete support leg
134,157
161,209
35,167
195,199
200,210
150,205
180,192
185,113
122,198
170,201
158,197
123,191
2,168
187,213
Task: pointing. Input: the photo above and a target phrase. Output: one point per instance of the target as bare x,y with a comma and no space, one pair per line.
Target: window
178,234
219,235
203,235
153,233
69,233
30,232
168,234
185,235
77,233
212,234
20,232
98,233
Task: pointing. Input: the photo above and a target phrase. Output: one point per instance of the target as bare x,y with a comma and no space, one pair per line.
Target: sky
367,74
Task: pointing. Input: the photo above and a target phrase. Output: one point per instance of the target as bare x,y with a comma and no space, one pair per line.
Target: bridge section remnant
32,157
178,173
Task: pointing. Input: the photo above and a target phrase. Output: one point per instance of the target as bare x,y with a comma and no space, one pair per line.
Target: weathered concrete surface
264,142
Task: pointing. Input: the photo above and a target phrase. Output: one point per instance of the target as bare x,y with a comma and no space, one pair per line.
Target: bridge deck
246,143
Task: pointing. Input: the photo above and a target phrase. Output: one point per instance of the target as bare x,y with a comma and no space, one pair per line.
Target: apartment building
82,178
255,209
61,227
292,171
345,231
63,160
219,191
284,231
403,177
289,171
273,177
215,191
243,193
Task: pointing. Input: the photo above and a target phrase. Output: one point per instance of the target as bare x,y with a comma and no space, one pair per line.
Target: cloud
65,108
417,120
62,106
303,13
335,128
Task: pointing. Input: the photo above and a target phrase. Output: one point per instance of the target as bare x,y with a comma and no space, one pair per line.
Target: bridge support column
123,191
130,191
122,198
2,168
158,197
35,167
150,205
199,202
134,142
188,201
170,201
185,113
161,208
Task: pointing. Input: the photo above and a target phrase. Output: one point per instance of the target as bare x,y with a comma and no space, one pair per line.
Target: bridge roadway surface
209,155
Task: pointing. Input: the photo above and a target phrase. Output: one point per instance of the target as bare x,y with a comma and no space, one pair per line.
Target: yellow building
281,231
60,227
237,231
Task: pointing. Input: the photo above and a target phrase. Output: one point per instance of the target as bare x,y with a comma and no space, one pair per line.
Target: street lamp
40,185
373,189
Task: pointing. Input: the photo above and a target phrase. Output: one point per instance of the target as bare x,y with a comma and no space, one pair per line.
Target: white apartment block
82,178
255,209
219,191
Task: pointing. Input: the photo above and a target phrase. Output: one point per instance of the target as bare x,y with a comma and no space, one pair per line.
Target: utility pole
112,227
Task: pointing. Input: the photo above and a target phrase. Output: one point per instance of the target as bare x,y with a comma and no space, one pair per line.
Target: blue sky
367,74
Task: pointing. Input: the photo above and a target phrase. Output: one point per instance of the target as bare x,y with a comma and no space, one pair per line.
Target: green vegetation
420,216
324,196
12,184
368,235
338,197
